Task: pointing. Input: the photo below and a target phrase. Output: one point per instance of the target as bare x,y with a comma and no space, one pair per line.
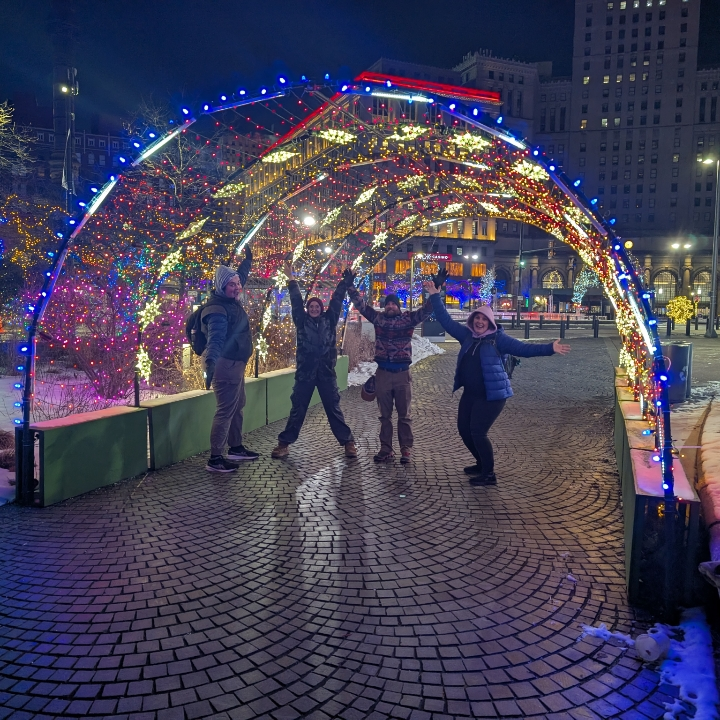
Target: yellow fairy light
365,195
192,229
379,240
453,208
229,190
144,363
491,207
333,215
336,136
279,156
530,170
262,347
470,142
169,263
408,132
148,314
407,223
411,182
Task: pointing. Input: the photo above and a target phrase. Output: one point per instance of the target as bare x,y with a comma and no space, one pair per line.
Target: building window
402,266
586,80
583,124
381,267
454,268
676,157
665,286
702,109
478,269
553,280
701,287
91,142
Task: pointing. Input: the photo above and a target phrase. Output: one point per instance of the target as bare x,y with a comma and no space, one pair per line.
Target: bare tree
15,153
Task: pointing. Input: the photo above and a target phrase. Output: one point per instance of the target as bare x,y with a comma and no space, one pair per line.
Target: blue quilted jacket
493,347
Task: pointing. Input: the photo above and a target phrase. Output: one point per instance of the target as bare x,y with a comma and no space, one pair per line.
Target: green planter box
341,369
179,425
279,388
83,452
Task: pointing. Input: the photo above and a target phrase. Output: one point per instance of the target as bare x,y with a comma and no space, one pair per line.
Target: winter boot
281,451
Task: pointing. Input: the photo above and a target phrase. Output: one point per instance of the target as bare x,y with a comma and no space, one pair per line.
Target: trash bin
678,364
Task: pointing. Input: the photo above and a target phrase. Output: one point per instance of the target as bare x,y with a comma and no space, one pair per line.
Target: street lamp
710,331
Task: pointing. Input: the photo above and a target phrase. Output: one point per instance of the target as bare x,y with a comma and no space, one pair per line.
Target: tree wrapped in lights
583,282
460,290
680,309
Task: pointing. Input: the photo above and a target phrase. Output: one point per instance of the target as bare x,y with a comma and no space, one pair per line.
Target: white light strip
471,164
576,226
398,96
442,222
641,324
95,203
252,233
247,101
150,149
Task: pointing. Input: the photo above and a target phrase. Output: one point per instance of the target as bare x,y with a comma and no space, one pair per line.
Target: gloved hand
349,277
248,253
440,278
208,374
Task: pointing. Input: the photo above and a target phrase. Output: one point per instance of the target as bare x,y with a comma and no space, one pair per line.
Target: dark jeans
330,397
475,417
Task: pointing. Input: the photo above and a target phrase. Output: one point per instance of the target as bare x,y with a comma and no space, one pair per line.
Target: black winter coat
316,352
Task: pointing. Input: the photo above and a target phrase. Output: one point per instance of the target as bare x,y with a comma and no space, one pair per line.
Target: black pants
300,399
475,417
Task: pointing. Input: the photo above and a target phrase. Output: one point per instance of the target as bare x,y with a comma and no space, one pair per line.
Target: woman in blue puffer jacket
481,374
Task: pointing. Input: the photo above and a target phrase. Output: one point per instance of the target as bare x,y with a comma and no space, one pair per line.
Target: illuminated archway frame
489,172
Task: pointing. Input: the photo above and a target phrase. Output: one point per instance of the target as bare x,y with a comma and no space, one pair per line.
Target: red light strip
454,91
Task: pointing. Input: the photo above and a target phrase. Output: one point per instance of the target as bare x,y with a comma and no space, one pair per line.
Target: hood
485,310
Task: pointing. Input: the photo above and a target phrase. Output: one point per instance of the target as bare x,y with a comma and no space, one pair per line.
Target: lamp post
710,331
520,267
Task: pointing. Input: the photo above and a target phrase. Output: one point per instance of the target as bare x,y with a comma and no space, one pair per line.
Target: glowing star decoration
281,279
267,317
680,309
407,223
332,216
365,195
357,262
262,347
192,229
170,262
409,132
336,136
469,182
229,190
530,171
470,142
453,208
297,252
148,314
144,364
411,182
491,207
379,240
279,156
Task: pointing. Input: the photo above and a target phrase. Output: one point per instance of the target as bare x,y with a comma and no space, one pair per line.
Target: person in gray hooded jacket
229,347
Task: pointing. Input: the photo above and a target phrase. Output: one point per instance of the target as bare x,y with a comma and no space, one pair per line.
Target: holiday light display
478,169
585,280
680,309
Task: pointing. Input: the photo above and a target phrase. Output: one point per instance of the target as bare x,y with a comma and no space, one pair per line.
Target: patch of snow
604,633
421,348
690,666
7,491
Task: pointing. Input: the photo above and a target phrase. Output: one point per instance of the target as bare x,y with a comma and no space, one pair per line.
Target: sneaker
405,455
482,480
239,453
281,451
350,450
384,456
219,464
473,469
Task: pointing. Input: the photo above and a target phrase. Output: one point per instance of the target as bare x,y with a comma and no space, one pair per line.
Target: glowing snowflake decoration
530,171
469,182
229,190
409,132
169,262
144,364
407,223
336,136
470,142
297,252
491,207
332,216
262,347
281,279
192,229
357,262
148,314
411,182
453,208
380,239
279,156
365,195
267,317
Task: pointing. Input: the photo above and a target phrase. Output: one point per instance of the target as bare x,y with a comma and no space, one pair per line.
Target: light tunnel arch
465,165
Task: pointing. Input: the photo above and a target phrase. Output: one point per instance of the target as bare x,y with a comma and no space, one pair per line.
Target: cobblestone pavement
321,587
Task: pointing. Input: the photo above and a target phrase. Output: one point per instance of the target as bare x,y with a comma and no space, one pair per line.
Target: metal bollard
669,327
687,328
707,322
568,321
697,319
541,319
512,322
527,329
562,329
596,327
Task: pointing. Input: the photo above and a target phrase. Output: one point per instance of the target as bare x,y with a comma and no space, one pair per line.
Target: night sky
196,49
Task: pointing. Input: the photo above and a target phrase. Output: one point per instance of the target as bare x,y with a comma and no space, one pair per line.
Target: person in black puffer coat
316,356
481,374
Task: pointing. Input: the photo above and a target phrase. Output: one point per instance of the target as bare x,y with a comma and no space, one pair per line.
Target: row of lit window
454,269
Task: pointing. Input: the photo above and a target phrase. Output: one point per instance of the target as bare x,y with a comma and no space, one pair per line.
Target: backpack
509,362
194,331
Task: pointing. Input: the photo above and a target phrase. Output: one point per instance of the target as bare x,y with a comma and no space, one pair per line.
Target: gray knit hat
223,275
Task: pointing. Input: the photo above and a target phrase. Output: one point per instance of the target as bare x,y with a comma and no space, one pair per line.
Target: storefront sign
431,257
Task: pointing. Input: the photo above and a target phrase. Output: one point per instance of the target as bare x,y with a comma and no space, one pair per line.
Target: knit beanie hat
223,275
315,300
393,299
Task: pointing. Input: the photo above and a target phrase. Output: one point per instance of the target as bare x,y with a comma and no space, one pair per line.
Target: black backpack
194,331
510,362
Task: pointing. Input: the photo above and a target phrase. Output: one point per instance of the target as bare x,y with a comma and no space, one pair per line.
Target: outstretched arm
359,302
245,265
511,346
453,328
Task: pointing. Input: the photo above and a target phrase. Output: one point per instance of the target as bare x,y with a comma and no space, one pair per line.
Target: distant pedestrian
393,354
229,347
481,374
316,356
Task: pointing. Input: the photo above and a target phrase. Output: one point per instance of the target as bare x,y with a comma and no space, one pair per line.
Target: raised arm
453,328
296,303
244,268
363,308
421,314
336,301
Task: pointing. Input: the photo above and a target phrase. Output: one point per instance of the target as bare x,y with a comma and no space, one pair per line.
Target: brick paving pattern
321,587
